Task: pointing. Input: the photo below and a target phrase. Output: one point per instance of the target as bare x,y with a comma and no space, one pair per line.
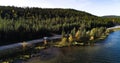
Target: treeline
40,13
18,24
115,19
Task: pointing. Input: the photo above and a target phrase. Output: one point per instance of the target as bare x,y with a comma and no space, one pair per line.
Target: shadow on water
106,51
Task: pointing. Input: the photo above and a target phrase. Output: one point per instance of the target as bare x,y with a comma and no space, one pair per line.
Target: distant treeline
18,24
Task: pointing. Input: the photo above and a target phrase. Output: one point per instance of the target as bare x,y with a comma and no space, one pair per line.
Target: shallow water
106,51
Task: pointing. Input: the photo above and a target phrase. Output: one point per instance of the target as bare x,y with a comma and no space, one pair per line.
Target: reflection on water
107,51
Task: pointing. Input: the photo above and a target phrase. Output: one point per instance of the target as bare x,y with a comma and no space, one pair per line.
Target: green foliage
18,24
73,31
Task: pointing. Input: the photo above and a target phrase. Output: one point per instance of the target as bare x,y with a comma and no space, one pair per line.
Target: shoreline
40,48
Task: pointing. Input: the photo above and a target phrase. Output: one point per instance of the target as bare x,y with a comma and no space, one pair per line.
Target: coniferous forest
24,23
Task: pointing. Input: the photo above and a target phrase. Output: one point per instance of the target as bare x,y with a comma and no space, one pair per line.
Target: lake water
106,51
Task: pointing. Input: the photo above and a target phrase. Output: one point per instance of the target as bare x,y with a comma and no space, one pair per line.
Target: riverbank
105,52
36,49
41,40
24,55
23,50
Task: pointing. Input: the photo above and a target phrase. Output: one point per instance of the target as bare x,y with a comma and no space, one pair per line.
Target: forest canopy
19,23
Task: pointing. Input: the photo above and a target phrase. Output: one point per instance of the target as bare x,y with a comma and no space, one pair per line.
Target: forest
28,23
